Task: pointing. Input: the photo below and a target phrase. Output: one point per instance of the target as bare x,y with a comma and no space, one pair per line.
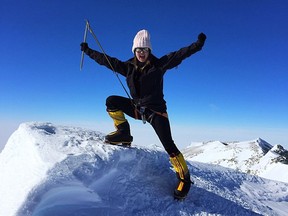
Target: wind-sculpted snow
56,170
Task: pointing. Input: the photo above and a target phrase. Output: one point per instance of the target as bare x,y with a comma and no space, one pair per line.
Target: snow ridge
58,170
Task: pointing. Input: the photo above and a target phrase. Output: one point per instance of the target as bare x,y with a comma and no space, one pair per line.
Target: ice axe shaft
84,40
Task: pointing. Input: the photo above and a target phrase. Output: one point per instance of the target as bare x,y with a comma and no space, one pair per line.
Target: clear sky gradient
234,89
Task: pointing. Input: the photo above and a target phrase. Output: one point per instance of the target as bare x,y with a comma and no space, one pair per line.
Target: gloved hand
201,38
84,46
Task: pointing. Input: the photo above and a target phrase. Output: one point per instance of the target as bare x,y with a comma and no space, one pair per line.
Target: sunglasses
139,50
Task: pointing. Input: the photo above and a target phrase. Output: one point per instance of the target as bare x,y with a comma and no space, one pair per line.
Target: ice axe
88,27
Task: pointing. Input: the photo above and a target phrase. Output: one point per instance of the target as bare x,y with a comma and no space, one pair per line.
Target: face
142,54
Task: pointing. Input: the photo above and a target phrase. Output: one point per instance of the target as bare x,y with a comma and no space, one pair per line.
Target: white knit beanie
141,40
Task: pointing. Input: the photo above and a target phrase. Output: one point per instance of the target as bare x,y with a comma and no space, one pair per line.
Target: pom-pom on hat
141,40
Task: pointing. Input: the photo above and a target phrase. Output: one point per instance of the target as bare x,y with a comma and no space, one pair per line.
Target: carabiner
142,113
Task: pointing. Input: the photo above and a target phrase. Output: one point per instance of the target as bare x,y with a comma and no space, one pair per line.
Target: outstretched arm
175,58
101,59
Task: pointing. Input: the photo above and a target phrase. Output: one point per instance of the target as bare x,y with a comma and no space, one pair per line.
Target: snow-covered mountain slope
255,157
58,170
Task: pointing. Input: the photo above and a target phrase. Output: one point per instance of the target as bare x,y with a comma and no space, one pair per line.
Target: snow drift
59,170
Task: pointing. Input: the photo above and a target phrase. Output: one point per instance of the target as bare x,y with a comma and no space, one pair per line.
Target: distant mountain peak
283,154
255,157
265,146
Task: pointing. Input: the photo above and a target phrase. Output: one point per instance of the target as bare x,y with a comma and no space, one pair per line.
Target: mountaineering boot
122,134
182,174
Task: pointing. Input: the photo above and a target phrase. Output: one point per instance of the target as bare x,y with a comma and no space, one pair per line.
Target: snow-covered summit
58,170
255,157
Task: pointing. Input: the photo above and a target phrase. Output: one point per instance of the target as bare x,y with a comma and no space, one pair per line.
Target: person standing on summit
144,75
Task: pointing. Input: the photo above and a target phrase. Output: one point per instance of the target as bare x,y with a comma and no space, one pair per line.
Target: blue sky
234,89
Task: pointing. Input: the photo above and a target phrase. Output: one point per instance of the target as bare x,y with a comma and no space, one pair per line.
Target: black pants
160,123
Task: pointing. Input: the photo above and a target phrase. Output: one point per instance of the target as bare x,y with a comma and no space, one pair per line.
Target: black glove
201,38
84,46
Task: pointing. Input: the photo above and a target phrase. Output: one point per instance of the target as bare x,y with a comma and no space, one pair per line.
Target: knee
110,103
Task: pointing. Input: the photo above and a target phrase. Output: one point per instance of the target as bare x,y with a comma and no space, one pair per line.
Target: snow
59,170
255,157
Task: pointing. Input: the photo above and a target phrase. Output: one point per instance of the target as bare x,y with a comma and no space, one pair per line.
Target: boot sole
179,198
123,144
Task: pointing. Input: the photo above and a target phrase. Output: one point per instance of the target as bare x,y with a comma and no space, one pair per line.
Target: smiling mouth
142,57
